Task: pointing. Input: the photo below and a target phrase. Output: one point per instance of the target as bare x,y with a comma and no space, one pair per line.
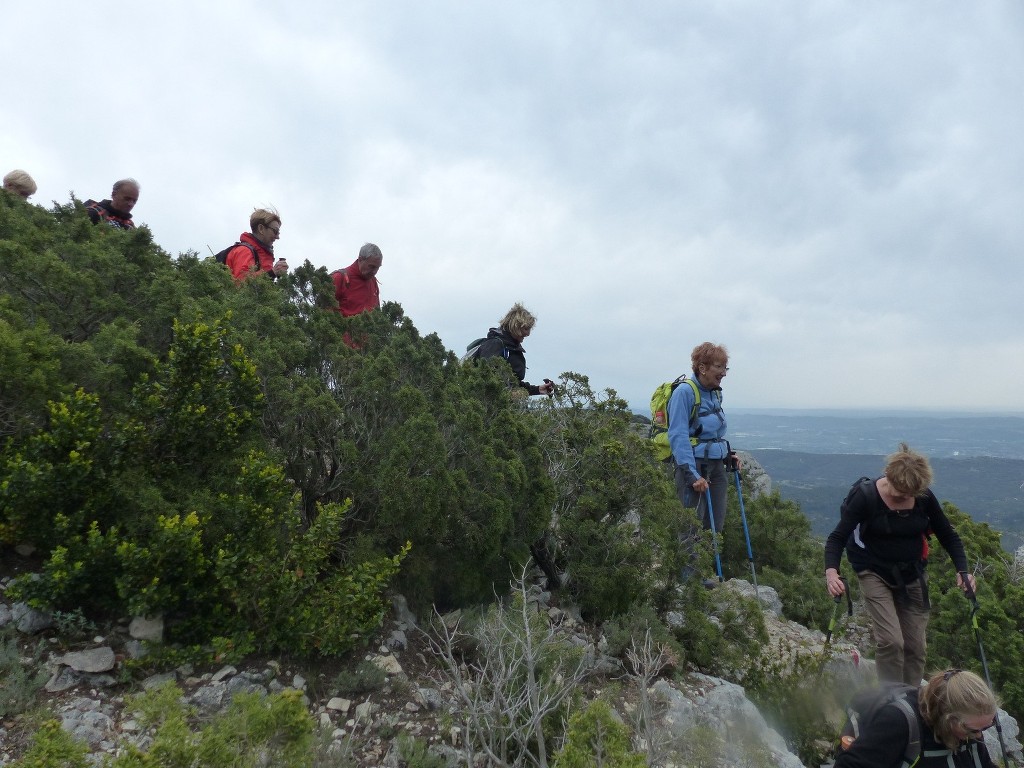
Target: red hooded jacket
241,262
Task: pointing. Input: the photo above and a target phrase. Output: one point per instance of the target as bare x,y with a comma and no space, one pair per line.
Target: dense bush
614,515
228,454
596,737
952,640
787,557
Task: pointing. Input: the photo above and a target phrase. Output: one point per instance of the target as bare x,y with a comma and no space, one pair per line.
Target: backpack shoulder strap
912,752
255,256
696,399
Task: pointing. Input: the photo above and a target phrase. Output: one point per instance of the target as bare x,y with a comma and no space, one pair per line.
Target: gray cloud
831,189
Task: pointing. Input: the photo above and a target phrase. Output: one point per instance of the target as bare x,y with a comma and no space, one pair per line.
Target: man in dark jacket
117,211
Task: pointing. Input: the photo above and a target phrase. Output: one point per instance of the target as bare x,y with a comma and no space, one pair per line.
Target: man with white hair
19,183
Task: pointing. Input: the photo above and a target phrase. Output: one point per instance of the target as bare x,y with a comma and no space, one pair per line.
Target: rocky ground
363,704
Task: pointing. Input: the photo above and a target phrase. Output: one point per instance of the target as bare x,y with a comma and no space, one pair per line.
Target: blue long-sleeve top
709,428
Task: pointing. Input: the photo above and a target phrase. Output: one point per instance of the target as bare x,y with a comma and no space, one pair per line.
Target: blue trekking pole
746,530
714,536
981,653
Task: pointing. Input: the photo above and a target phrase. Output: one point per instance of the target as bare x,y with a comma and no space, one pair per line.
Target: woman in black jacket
953,710
507,341
884,527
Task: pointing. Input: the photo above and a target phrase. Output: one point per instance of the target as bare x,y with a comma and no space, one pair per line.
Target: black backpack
864,708
222,256
473,349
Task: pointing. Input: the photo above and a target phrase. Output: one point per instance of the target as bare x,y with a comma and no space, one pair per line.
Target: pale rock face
92,660
147,628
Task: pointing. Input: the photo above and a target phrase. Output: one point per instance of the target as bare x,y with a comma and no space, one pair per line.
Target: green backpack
659,415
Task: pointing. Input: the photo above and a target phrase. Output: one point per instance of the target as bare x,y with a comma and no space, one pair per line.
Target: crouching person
940,725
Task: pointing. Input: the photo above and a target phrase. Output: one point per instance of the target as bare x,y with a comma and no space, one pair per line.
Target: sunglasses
977,733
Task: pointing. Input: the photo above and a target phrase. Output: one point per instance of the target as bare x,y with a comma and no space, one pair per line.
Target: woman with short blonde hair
884,526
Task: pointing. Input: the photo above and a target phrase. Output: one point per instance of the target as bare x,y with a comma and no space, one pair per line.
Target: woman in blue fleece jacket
699,448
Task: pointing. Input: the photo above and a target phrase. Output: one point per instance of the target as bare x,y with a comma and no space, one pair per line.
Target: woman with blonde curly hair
953,710
506,341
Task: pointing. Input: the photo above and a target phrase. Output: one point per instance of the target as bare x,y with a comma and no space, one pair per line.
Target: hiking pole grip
968,589
849,598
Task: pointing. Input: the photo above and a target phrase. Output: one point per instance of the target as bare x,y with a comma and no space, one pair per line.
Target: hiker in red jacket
255,250
355,287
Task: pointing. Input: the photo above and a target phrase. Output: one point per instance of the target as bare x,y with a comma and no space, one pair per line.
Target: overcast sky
833,190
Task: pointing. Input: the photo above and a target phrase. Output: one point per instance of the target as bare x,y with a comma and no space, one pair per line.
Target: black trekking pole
746,530
835,610
969,592
714,536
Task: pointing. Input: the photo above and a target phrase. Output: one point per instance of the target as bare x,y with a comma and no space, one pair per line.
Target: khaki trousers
900,623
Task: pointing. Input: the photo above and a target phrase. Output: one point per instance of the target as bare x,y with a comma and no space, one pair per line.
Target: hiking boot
710,583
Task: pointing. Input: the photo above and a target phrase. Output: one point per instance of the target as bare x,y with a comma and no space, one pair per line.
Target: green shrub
416,754
52,747
615,515
252,731
18,683
596,737
365,677
799,699
240,558
630,629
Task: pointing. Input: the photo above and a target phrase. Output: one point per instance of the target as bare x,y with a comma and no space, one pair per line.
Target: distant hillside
989,490
954,436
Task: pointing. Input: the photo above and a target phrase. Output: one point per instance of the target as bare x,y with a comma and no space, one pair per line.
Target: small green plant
270,730
792,692
703,747
365,677
73,624
52,747
596,737
632,626
414,753
18,682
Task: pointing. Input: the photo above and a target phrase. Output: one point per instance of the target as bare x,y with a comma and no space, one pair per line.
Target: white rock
389,664
339,704
147,628
222,673
92,660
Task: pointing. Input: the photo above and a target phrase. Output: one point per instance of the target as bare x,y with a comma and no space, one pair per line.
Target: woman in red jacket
255,250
